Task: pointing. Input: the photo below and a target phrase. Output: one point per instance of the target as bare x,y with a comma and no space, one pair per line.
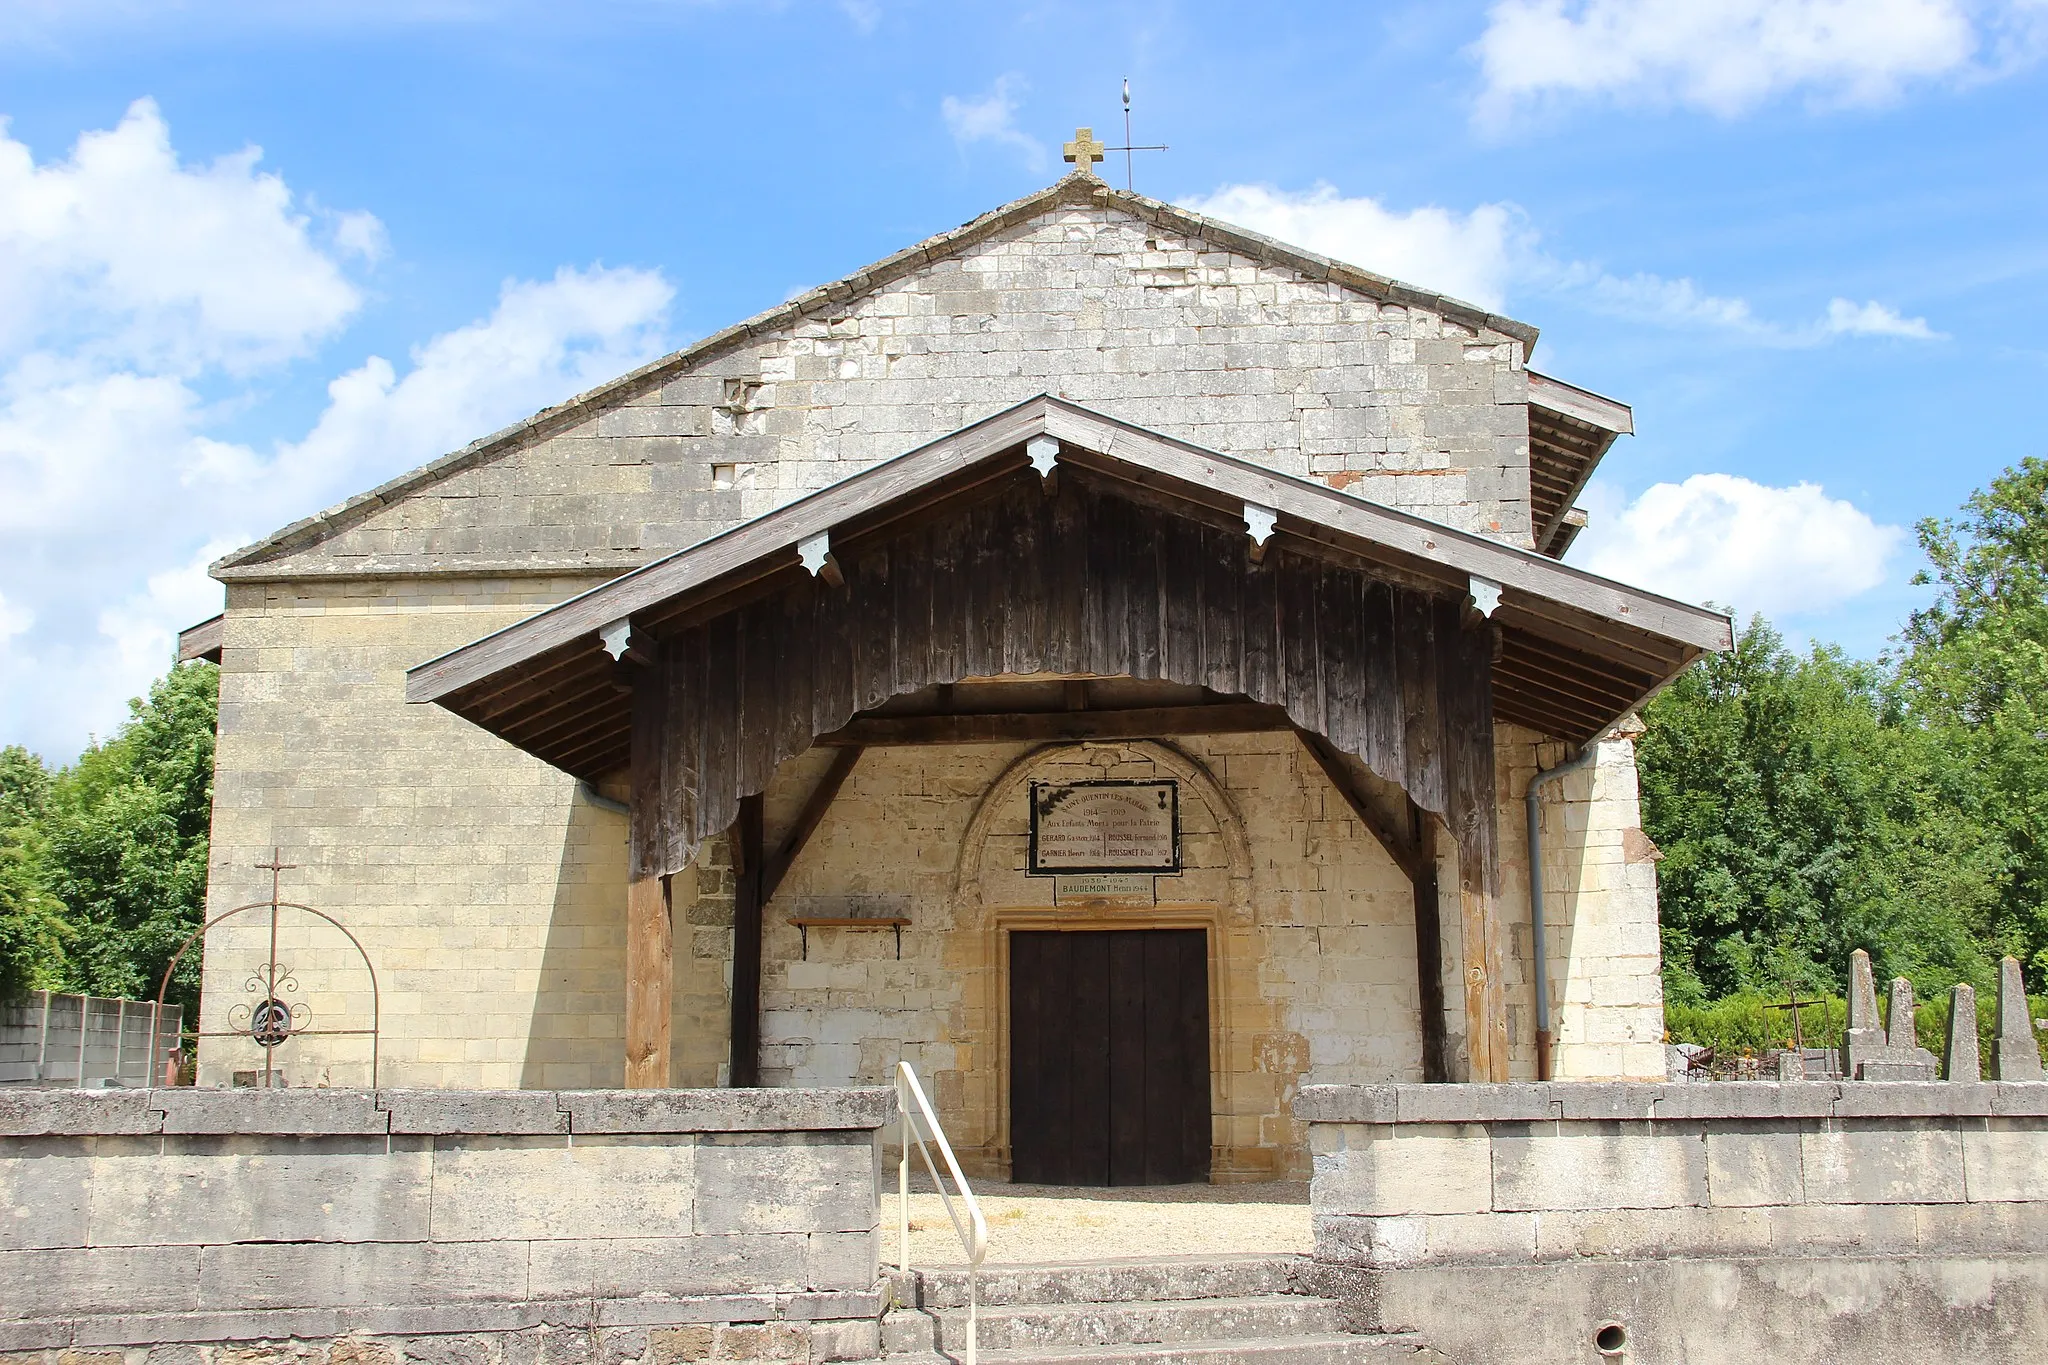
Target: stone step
1113,1281
1324,1349
1067,1325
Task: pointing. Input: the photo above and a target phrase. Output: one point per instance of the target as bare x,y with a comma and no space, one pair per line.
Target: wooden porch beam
808,819
650,949
1013,727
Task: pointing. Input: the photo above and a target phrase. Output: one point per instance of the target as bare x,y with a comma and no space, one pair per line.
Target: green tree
31,927
1975,666
1803,813
126,830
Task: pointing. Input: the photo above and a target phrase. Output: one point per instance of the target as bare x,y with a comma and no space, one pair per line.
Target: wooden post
1486,1021
1429,950
749,878
650,970
650,952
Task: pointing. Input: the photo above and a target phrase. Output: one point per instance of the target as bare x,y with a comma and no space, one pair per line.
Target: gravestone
1870,1052
2018,1057
1961,1063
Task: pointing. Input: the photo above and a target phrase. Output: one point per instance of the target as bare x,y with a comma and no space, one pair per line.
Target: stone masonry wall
1391,401
361,1228
1799,1222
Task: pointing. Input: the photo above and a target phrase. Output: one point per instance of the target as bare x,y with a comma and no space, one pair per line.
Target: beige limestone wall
485,892
1391,402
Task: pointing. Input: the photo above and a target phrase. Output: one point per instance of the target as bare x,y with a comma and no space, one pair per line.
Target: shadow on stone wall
575,1038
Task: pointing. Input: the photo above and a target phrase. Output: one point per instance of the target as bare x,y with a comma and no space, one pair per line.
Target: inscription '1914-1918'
1106,826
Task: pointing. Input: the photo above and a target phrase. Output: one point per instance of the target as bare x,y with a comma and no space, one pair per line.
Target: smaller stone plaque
1124,888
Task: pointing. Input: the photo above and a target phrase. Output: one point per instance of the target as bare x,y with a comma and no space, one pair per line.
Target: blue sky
1804,239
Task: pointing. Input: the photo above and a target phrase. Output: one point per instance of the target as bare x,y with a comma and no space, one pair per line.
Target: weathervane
1084,151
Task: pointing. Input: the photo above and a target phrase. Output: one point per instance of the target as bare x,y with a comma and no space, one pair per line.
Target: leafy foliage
1804,813
103,864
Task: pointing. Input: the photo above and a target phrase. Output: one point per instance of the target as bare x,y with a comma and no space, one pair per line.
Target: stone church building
1098,655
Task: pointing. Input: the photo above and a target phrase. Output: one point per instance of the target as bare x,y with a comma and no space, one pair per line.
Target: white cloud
1490,253
122,252
115,493
1730,56
1725,539
1472,256
993,118
1873,319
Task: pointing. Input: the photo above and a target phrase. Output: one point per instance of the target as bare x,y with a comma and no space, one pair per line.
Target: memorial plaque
1106,826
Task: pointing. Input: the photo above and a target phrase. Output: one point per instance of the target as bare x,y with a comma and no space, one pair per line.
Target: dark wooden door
1109,1057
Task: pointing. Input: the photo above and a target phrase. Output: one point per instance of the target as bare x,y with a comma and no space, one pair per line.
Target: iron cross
1084,151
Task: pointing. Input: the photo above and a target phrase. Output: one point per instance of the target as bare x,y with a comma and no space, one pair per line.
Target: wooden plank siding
1084,581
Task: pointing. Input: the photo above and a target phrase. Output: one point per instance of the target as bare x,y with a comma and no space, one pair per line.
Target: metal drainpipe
1532,803
600,800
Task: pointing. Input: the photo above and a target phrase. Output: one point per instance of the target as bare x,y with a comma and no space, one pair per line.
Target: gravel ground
1037,1223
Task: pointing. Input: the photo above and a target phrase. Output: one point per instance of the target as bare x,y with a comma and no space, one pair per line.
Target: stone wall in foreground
1820,1222
177,1227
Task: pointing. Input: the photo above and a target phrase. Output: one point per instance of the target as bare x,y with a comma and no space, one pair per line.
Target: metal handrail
974,1234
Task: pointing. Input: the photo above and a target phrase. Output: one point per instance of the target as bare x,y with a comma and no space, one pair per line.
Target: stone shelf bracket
1258,524
816,554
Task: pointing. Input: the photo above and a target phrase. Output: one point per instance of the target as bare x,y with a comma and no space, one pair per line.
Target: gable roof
1075,189
1578,651
1570,431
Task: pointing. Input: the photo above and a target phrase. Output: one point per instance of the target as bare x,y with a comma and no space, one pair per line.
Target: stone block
33,1112
1815,1232
846,1339
751,1183
1907,1161
705,1264
1383,1170
82,1281
1754,1164
679,1345
43,1192
259,1189
1960,1062
486,1189
767,1343
1653,1233
1346,1103
1599,1166
277,1275
297,1112
1926,1098
473,1111
1475,1103
842,1260
2006,1160
1747,1100
727,1111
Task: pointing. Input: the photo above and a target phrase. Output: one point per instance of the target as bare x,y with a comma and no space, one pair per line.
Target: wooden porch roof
1577,652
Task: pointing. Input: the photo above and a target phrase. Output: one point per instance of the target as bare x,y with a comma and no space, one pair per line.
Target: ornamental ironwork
271,1017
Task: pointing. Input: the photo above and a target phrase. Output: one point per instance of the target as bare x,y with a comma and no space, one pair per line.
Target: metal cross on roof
1084,151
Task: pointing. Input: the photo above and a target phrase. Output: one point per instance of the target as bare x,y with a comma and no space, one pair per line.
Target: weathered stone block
43,1192
254,1189
473,1111
309,1112
2006,1159
1600,1167
710,1263
755,1183
74,1281
1382,1170
718,1111
1754,1164
34,1112
1910,1161
360,1274
485,1189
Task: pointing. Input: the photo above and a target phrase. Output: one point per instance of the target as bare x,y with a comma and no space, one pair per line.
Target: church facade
1098,655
